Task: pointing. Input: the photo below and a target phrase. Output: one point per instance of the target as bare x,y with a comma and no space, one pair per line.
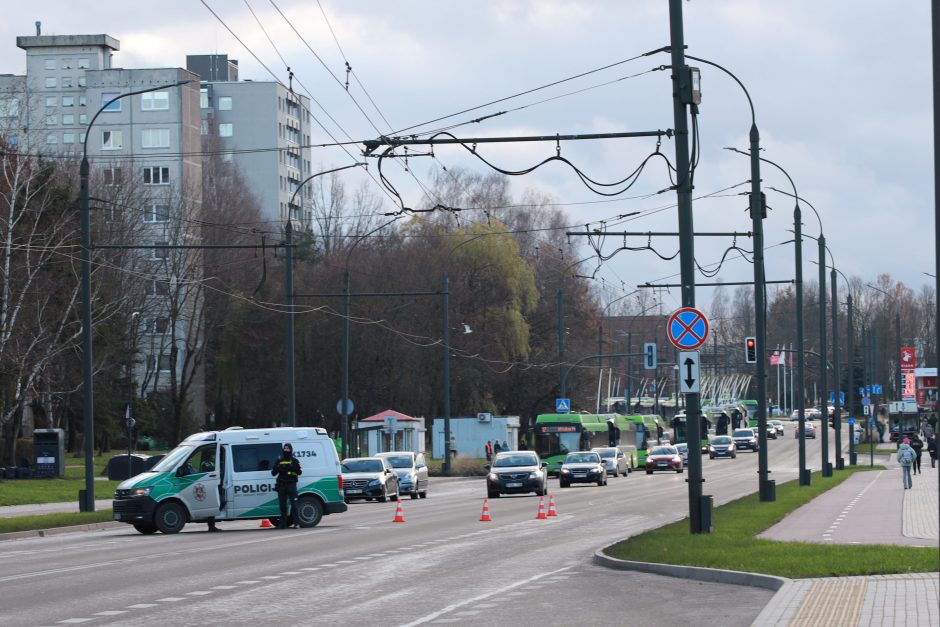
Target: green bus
749,408
680,433
556,435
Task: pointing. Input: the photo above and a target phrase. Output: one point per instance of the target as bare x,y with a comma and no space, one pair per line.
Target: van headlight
132,492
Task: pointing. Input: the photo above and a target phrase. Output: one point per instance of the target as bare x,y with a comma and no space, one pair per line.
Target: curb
711,575
55,531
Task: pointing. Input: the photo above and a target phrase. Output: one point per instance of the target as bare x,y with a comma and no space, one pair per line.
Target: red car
663,458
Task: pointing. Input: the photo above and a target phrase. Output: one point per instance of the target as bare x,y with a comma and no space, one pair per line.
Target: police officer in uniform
287,470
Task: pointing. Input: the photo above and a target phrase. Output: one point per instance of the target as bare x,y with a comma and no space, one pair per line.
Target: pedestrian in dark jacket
932,450
918,446
288,471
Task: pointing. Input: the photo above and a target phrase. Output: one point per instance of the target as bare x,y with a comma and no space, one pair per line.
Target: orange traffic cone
541,514
399,513
486,512
266,524
551,506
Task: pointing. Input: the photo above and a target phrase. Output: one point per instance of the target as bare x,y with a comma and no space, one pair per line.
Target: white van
226,475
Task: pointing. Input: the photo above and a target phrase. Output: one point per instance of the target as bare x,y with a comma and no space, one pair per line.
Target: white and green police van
226,475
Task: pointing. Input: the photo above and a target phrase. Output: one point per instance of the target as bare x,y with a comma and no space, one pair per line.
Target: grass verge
37,491
733,545
48,521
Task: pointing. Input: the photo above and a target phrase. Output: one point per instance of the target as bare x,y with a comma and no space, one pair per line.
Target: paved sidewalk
867,508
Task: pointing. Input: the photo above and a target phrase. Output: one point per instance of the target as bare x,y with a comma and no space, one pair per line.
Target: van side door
198,481
253,494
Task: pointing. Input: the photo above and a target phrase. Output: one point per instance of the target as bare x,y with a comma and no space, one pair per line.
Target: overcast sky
841,88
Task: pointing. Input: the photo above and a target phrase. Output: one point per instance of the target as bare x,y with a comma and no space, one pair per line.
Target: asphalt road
442,566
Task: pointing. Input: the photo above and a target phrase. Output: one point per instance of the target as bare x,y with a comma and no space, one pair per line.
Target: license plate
514,485
661,464
353,491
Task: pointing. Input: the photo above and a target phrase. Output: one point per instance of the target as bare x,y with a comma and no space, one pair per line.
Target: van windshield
172,459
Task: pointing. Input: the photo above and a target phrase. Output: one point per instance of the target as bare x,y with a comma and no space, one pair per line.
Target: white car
614,459
778,426
412,472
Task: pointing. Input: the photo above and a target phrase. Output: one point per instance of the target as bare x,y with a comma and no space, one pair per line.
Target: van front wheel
170,518
309,511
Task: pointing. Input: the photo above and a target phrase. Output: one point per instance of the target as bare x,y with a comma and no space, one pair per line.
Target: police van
226,475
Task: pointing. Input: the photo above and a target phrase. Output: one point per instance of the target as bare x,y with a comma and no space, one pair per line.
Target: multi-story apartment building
264,127
148,143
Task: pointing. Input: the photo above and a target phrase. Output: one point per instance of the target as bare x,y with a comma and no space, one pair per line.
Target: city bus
749,408
556,435
680,434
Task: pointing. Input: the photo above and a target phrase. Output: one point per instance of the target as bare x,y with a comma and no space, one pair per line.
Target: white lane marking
170,599
110,613
198,593
346,562
269,577
450,608
312,568
141,606
224,587
75,620
377,555
248,582
361,557
291,572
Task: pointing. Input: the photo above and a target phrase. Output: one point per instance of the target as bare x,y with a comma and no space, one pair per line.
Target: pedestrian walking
918,446
287,470
926,428
932,450
488,449
906,458
496,447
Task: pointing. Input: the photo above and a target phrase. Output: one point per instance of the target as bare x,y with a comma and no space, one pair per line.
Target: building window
68,118
163,363
83,64
204,127
160,253
50,82
52,120
66,64
82,82
111,102
225,103
155,101
13,140
156,176
225,130
66,81
50,64
157,326
113,176
67,101
68,138
157,213
51,101
112,140
204,98
155,138
157,287
52,138
82,118
82,101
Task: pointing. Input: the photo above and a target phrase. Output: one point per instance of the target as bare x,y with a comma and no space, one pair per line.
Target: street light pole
836,376
87,498
826,467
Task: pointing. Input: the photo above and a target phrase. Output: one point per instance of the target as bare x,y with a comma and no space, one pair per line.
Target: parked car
745,439
663,458
809,431
369,478
722,446
582,467
517,472
412,472
683,448
778,426
614,460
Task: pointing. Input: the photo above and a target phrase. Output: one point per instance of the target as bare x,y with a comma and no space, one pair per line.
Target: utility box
48,453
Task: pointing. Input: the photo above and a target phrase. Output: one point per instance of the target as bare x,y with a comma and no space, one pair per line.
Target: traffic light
750,350
649,356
